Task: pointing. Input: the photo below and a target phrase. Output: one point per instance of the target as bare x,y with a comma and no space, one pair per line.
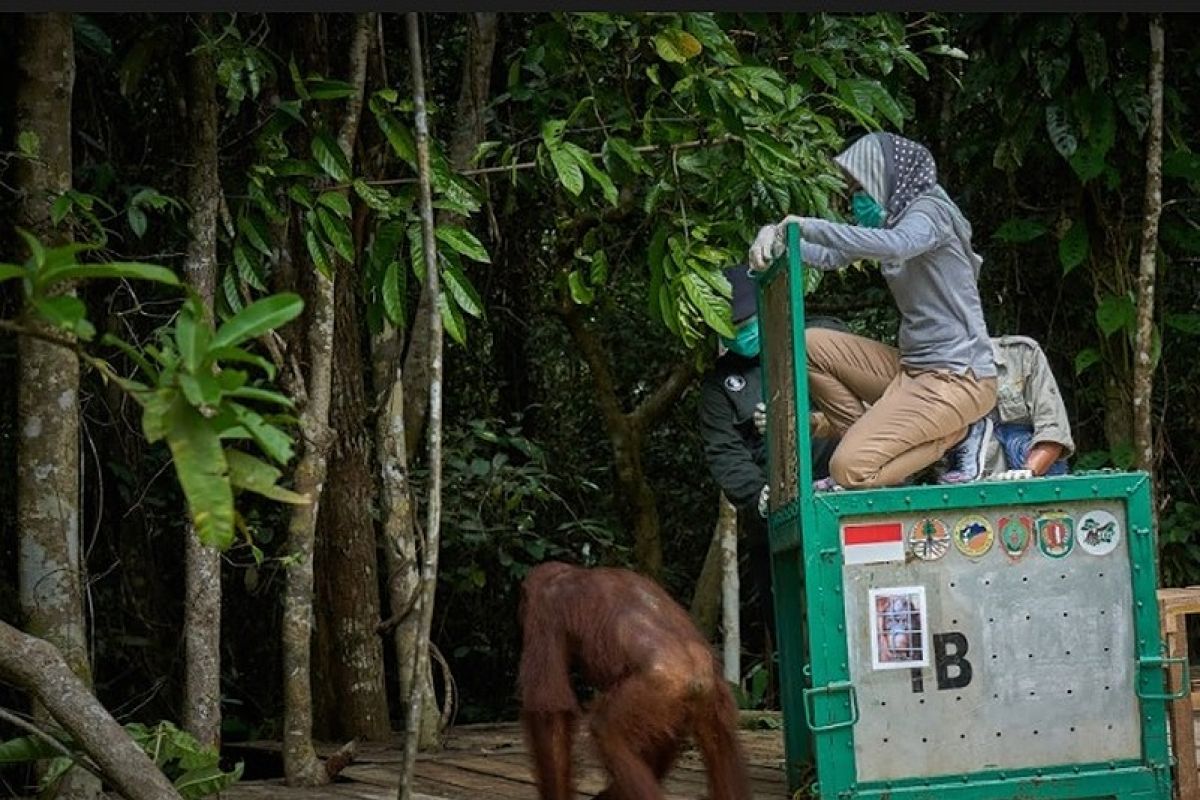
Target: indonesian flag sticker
873,542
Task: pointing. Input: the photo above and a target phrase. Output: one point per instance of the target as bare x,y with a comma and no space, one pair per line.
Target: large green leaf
460,288
1073,247
206,781
1019,230
337,232
584,159
581,293
116,269
67,312
261,395
24,749
570,174
10,271
676,45
255,475
462,241
274,442
318,253
1182,164
1116,312
255,232
336,202
1086,358
258,318
1184,323
203,473
399,137
708,301
330,156
452,319
1061,133
392,292
191,336
238,355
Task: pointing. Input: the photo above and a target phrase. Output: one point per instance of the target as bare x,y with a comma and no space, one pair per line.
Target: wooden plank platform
490,761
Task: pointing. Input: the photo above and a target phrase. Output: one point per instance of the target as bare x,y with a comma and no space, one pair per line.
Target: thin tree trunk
39,668
1143,366
349,655
50,567
730,591
202,587
706,597
300,762
467,135
431,543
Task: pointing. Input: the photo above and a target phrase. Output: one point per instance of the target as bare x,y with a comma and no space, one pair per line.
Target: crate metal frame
819,699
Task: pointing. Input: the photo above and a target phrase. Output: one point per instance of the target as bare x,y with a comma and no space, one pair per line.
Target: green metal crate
1032,672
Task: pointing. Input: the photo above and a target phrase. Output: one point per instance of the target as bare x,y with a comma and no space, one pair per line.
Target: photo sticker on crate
899,638
1098,532
929,539
1016,534
1055,533
873,542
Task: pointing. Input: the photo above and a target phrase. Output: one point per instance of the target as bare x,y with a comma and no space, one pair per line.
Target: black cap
745,301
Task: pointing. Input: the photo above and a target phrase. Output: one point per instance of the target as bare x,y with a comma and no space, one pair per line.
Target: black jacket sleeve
730,459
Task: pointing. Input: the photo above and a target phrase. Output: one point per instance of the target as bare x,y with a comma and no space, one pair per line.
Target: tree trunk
727,528
626,431
50,567
202,587
467,135
431,543
706,597
36,666
352,700
300,763
1143,365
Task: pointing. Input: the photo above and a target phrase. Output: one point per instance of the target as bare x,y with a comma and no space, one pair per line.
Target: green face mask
746,343
868,212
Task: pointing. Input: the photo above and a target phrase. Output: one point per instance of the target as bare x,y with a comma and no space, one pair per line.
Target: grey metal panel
1050,644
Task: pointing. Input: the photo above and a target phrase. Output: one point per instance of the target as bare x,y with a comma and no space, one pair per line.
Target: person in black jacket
731,397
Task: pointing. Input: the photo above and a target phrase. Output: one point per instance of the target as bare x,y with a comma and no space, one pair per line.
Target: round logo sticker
929,540
1016,533
1056,534
1098,533
735,383
973,536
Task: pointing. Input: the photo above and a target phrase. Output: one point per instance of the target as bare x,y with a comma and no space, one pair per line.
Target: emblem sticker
1098,533
735,383
1016,534
1056,534
929,540
973,536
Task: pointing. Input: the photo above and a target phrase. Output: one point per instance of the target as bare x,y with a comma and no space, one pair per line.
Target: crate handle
1163,662
831,688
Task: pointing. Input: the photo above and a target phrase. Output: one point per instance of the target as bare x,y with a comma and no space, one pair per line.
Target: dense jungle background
592,173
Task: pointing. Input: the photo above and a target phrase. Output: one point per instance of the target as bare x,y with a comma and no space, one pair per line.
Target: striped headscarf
892,170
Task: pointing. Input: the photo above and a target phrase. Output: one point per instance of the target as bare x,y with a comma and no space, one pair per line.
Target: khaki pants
915,415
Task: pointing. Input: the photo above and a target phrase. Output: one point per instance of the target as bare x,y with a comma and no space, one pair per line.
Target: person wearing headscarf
899,410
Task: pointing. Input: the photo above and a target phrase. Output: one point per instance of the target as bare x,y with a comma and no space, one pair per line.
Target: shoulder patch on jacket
735,383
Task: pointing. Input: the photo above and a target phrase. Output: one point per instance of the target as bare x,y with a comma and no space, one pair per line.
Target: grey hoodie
926,258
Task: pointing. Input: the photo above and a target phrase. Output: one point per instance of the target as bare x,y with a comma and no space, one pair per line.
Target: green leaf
29,144
948,51
137,221
883,101
1073,247
238,355
246,269
625,151
399,137
256,233
203,473
584,159
570,175
317,252
1095,57
1182,164
581,293
375,199
274,442
1019,230
1116,312
36,252
126,270
821,68
261,395
462,241
1184,323
337,232
10,271
336,202
191,336
714,308
202,390
300,194
676,45
64,311
25,749
1086,358
256,475
133,354
322,89
460,288
206,781
258,318
331,158
452,319
392,293
1061,134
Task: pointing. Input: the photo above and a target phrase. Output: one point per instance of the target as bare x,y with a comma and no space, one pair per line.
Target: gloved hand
770,244
760,418
764,496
